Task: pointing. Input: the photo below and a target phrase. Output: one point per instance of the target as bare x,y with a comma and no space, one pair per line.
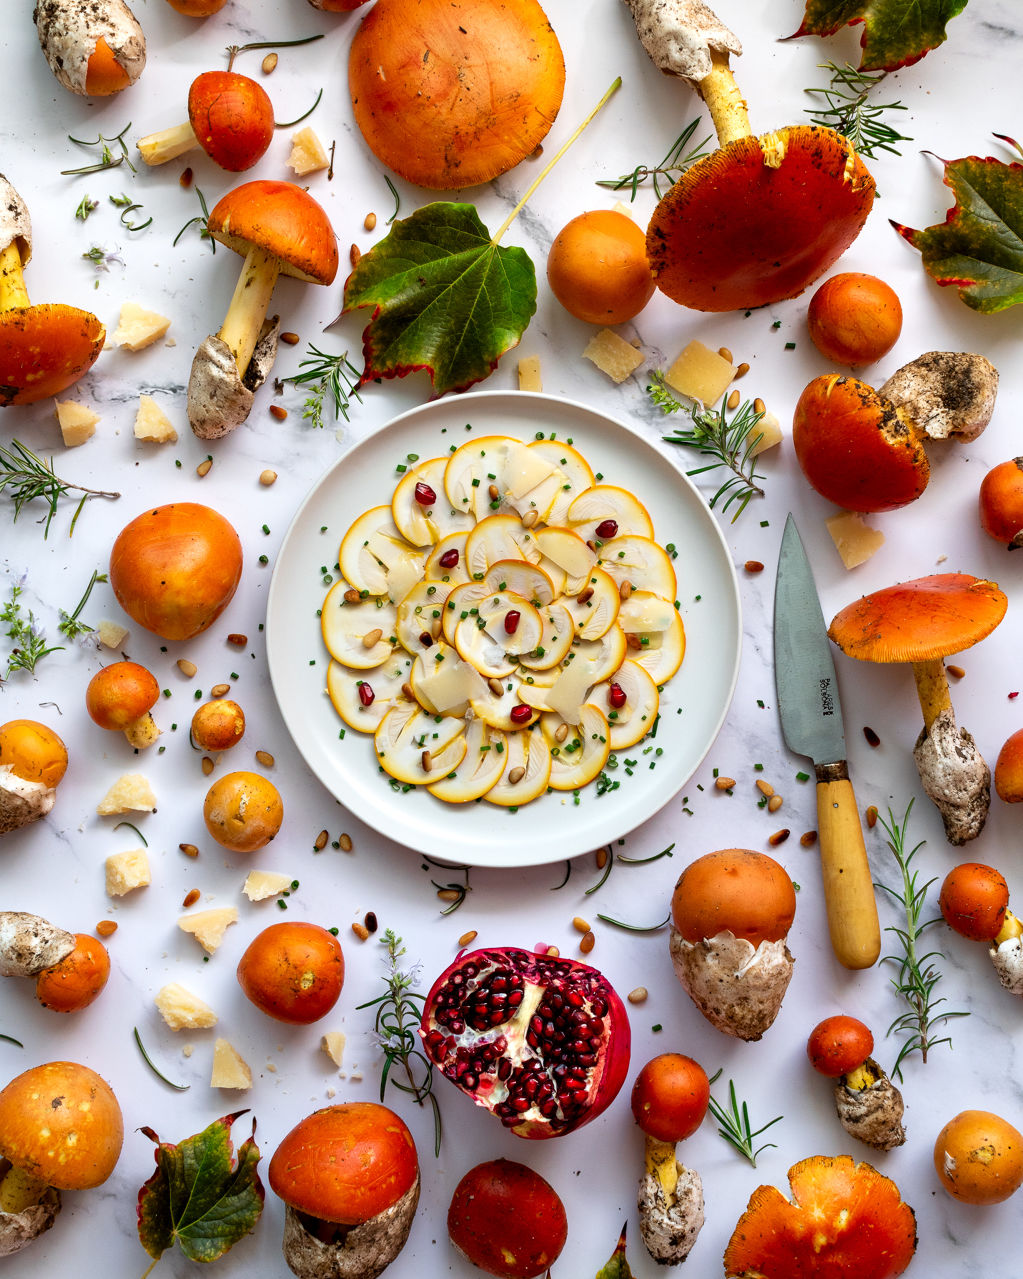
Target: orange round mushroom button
974,899
293,971
32,751
1001,503
451,93
72,984
232,118
1009,769
218,725
978,1157
243,811
346,1163
120,694
284,221
837,1045
597,268
737,889
61,1123
197,8
670,1097
854,318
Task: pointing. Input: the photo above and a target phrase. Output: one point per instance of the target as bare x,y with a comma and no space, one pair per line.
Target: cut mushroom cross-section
415,747
360,634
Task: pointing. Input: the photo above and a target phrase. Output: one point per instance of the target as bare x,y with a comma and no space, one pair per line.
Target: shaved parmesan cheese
129,794
138,328
700,373
854,540
77,423
182,1010
230,1070
613,355
127,871
208,926
261,884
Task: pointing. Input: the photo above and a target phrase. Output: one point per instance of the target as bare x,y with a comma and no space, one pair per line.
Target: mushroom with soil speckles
974,902
279,229
93,49
869,1105
760,218
120,697
229,115
33,759
43,348
922,622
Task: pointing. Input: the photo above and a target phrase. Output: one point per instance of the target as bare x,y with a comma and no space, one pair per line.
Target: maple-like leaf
445,298
617,1265
202,1195
896,33
978,249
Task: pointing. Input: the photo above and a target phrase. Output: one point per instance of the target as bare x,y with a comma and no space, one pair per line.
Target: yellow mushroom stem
167,144
1011,927
860,1078
661,1163
12,282
932,689
249,305
142,732
20,1190
725,103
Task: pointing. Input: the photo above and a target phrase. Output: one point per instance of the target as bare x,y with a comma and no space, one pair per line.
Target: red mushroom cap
282,219
232,118
44,349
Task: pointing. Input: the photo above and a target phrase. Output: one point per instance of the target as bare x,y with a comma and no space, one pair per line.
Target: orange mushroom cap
232,118
282,219
920,620
44,349
844,1219
451,93
759,219
119,694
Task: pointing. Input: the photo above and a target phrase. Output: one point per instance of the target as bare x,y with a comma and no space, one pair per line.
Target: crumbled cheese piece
229,1068
182,1010
77,423
529,374
769,430
613,355
700,373
308,154
261,884
854,540
111,634
129,794
333,1044
138,328
127,871
208,926
187,1050
151,423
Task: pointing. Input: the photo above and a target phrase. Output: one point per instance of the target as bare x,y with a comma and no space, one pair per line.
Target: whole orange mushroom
243,811
598,270
978,1157
74,982
120,698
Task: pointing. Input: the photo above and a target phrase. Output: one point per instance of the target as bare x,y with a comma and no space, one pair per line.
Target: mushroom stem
725,103
661,1163
1011,927
167,144
249,305
932,689
12,283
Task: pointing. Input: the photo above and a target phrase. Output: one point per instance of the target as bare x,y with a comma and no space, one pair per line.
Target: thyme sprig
203,219
30,645
101,258
69,625
399,1011
917,974
730,441
326,374
107,159
735,1124
680,157
24,476
849,112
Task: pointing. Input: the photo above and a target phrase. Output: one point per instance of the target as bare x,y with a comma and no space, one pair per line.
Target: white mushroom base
22,802
737,987
1008,962
873,1114
670,1230
362,1253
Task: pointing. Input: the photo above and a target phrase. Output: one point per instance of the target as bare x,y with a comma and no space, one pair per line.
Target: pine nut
553,952
561,732
189,850
269,63
637,996
581,925
724,783
186,667
495,686
361,931
600,857
516,775
725,354
237,639
435,627
191,897
956,671
344,842
369,222
207,766
493,492
407,693
448,894
742,370
265,758
354,254
625,590
289,338
426,761
267,477
468,937
633,641
759,406
753,566
278,411
529,519
774,803
372,638
872,816
106,928
779,837
765,788
204,467
320,842
220,690
585,595
587,943
808,838
352,596
733,399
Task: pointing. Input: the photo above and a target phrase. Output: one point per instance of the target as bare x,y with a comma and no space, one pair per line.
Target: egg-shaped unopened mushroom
93,49
229,115
33,760
120,697
868,1103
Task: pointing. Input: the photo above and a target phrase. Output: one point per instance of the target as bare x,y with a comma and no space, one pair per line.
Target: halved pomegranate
541,1042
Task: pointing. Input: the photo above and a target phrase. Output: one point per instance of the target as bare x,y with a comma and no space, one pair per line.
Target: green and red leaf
895,34
445,298
617,1265
978,249
202,1196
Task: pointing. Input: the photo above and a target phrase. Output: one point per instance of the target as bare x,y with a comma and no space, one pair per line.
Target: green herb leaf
617,1265
848,110
445,298
202,1195
895,32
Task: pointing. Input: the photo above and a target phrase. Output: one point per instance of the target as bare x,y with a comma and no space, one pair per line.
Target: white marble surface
957,97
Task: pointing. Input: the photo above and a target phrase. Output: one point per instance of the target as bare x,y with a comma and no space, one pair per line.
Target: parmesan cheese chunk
261,884
111,634
127,871
182,1010
131,793
138,328
230,1070
613,355
700,373
854,540
151,423
769,430
333,1044
77,423
308,154
530,378
208,926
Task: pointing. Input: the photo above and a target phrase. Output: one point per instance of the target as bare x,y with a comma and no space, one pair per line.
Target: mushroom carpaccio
845,1219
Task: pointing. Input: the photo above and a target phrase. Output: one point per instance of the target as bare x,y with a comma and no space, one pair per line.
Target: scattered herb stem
849,112
203,219
156,1071
325,374
9,1039
69,624
287,124
679,158
234,49
735,1124
635,928
107,159
24,476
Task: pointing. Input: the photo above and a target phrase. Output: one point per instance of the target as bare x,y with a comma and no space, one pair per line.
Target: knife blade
811,721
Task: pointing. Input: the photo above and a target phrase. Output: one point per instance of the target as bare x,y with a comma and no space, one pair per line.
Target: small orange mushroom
229,115
922,622
869,1106
33,760
974,902
120,697
1009,769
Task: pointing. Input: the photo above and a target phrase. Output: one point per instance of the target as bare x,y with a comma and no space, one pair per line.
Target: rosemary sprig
454,893
127,206
30,644
635,928
917,975
679,158
287,124
9,1039
731,442
850,113
234,49
69,625
325,374
156,1071
107,159
397,198
24,476
735,1124
399,1011
203,219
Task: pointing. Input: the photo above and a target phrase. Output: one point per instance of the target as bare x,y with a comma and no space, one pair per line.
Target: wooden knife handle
848,888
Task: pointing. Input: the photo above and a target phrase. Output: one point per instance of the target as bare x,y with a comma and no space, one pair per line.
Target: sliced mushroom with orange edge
44,349
420,507
499,537
525,579
605,511
630,701
555,639
357,634
418,623
446,560
594,609
486,756
655,634
505,709
463,601
582,753
578,472
922,622
641,562
526,773
375,557
363,703
512,621
279,229
470,471
413,746
760,218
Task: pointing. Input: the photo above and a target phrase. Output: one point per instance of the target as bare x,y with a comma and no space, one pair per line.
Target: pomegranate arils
520,714
426,639
449,559
425,495
615,696
366,695
606,529
511,621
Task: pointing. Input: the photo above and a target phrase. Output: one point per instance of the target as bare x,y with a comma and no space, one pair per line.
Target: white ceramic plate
693,704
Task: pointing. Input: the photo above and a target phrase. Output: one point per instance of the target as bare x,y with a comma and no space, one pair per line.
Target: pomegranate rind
474,1051
845,1218
739,988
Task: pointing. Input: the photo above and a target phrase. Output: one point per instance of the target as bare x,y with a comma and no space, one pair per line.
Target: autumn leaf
617,1265
202,1195
978,249
445,298
896,33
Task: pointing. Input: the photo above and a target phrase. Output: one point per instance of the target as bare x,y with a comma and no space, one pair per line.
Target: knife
811,722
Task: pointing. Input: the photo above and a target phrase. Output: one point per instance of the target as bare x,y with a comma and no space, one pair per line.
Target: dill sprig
730,441
30,644
325,374
849,112
24,476
735,1124
399,1011
917,974
107,159
69,625
679,158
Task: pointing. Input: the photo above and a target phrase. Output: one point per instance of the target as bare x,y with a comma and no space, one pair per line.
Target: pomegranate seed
606,529
426,639
366,695
449,559
511,621
425,495
616,696
521,714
